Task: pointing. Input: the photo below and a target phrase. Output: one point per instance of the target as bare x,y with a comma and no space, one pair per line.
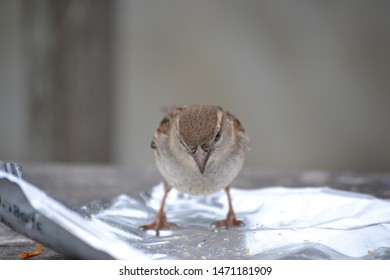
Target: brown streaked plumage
200,121
199,150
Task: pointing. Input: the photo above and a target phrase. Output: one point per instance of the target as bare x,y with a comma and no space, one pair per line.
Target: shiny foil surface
279,223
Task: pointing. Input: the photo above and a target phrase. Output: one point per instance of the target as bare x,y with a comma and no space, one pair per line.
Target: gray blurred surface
308,79
55,80
77,185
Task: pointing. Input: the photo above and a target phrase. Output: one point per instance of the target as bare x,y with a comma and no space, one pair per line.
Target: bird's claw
159,223
230,221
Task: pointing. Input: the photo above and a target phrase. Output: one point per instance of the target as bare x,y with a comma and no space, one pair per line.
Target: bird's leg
231,220
160,222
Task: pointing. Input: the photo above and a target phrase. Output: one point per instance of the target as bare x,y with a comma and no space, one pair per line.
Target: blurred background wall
88,80
55,87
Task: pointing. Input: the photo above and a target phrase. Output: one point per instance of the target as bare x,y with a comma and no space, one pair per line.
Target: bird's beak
201,157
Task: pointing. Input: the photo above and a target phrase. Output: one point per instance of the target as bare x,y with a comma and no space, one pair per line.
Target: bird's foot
230,221
160,222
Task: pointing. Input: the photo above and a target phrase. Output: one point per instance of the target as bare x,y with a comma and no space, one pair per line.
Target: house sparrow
199,149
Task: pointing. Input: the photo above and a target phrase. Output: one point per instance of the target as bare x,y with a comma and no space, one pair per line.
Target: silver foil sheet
279,223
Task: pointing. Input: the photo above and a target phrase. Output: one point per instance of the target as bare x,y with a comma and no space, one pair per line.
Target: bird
199,150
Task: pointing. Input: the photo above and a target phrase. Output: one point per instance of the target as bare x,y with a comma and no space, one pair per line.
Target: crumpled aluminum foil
280,223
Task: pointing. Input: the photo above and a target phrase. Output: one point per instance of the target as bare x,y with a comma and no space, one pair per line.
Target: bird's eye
218,136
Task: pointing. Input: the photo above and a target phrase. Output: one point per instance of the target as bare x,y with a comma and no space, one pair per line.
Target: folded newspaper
280,223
